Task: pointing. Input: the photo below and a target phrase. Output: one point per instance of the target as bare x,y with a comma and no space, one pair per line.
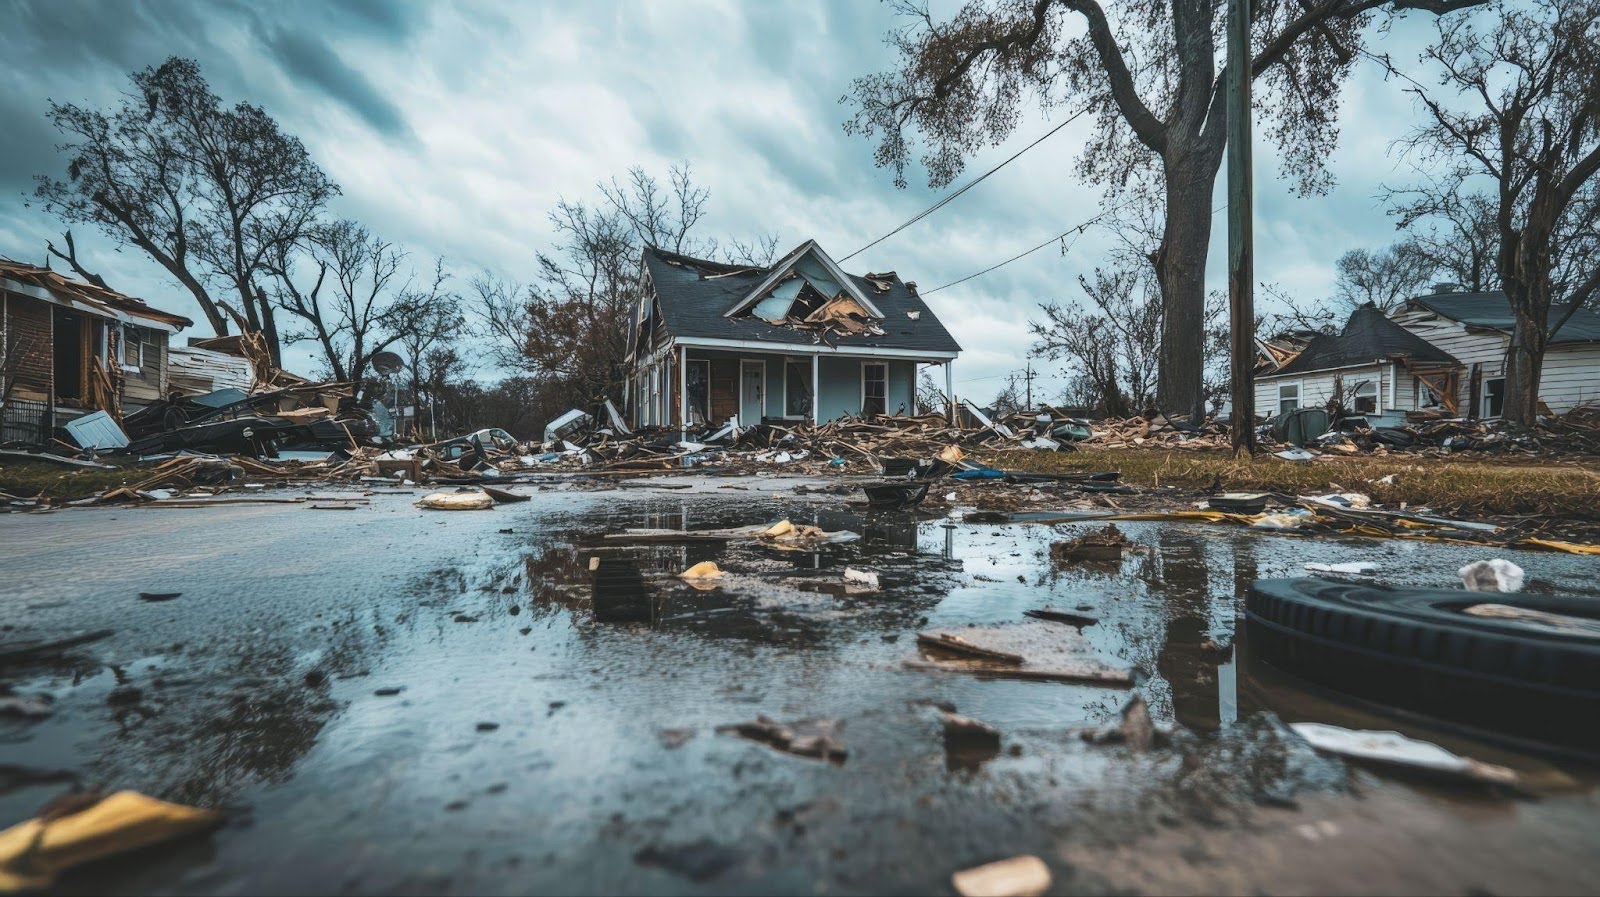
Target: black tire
1413,649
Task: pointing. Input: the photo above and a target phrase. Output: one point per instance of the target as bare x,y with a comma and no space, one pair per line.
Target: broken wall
28,321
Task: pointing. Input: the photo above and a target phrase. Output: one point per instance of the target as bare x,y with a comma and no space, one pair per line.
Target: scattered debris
1104,545
813,738
1497,575
25,706
44,649
34,852
1350,569
1061,616
703,570
1394,749
456,501
1042,651
866,579
1021,876
504,496
1134,728
1563,623
159,596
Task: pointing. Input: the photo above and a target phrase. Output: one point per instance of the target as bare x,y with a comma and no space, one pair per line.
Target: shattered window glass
798,401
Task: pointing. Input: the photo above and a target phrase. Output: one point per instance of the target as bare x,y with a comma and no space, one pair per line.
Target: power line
964,188
1078,228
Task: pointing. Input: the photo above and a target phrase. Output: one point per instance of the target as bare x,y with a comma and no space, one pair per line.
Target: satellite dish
387,363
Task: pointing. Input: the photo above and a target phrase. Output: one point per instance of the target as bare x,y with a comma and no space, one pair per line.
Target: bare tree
1150,78
1455,232
1386,277
1518,107
662,216
352,294
1295,315
210,192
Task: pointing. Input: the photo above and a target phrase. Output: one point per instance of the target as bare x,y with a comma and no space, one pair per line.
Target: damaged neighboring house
70,348
1380,369
1475,328
800,340
1443,353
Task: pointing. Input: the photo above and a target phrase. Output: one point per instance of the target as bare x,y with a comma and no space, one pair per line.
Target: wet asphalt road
531,749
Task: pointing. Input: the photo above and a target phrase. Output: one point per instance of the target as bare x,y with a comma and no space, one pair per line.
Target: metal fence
25,422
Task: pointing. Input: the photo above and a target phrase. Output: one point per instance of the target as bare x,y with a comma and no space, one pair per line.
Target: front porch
691,387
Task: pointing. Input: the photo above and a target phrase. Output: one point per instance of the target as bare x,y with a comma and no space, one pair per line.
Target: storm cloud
454,128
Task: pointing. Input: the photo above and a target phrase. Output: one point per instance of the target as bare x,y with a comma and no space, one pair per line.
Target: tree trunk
1524,368
1181,271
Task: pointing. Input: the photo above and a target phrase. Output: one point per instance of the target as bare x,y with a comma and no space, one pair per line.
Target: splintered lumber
1035,650
955,643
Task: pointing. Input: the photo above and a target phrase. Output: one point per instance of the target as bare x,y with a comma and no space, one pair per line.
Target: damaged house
1443,353
70,348
799,341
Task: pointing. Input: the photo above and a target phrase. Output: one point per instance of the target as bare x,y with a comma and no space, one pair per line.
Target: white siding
1316,387
1571,373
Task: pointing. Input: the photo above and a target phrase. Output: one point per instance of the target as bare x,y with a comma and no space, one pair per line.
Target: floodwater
258,690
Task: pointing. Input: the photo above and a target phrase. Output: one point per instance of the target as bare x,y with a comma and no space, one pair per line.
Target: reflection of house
68,348
800,340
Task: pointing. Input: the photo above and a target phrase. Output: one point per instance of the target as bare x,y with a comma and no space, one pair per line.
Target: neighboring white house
1444,351
1380,368
1476,329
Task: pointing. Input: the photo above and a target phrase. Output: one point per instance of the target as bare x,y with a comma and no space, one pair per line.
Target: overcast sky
453,129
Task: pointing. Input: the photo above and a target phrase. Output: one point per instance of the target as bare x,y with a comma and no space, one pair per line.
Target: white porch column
816,389
683,393
950,390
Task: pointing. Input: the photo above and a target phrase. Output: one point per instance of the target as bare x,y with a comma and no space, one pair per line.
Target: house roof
696,295
94,299
1369,337
1492,311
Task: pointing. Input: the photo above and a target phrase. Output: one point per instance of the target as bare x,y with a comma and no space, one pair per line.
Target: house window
699,375
1494,396
797,389
1288,397
1364,398
132,347
1425,396
874,388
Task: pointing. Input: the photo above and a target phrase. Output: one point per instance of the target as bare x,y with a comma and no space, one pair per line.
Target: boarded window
132,346
874,388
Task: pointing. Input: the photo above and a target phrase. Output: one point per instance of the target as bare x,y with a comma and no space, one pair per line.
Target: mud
395,700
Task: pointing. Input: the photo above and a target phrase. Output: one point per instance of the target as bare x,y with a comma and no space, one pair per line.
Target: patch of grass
1568,488
33,479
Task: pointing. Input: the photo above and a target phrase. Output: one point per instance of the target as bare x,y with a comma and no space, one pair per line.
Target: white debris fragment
865,578
1396,749
1022,876
1495,575
1352,569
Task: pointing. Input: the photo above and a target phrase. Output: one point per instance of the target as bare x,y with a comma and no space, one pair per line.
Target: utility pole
1027,376
1241,254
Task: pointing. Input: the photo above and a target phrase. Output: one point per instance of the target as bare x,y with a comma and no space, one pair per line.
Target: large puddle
521,745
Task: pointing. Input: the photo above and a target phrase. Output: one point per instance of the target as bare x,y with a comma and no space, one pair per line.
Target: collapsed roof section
51,286
807,290
706,300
